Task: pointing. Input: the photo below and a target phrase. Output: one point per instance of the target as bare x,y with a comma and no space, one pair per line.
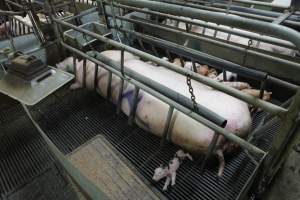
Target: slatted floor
72,118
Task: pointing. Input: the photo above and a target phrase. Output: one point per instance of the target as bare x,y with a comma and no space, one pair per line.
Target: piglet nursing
151,113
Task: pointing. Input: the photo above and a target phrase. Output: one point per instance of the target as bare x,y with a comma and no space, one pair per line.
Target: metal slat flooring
72,118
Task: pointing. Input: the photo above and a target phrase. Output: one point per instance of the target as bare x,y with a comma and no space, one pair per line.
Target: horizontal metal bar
9,13
14,4
249,35
268,4
271,29
271,108
183,100
230,136
83,13
249,2
203,58
239,13
293,66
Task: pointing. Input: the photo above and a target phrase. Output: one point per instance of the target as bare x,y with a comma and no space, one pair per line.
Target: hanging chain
250,42
191,90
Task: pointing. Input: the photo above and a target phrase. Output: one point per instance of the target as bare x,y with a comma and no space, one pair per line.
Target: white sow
151,112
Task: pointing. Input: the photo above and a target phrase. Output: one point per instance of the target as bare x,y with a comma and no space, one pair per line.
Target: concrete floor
286,185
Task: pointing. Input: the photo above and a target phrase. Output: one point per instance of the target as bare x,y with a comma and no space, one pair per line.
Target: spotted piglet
169,171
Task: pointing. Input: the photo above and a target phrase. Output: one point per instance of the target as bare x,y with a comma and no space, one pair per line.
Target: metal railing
286,115
238,9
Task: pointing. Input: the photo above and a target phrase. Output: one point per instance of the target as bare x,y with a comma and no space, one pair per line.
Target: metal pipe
216,8
120,96
249,2
183,100
11,13
134,107
271,108
249,35
108,90
167,126
95,77
228,135
201,57
223,44
81,14
14,4
215,17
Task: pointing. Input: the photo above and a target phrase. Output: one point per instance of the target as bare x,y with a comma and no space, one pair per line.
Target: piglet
169,171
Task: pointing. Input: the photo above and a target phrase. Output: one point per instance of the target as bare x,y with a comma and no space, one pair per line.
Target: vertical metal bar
141,44
74,66
15,27
133,109
119,103
96,77
156,19
122,62
84,74
168,55
108,90
215,33
181,61
19,27
224,75
166,132
194,66
187,27
211,149
262,88
24,32
115,21
154,50
102,3
204,29
177,24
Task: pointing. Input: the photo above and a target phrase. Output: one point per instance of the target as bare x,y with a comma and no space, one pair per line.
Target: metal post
96,77
133,109
108,90
119,102
165,135
84,74
210,150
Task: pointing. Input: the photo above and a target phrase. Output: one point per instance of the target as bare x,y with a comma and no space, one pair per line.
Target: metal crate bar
136,78
269,107
212,60
249,13
220,18
261,38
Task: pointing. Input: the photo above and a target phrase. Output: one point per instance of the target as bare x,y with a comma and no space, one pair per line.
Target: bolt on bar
269,107
114,67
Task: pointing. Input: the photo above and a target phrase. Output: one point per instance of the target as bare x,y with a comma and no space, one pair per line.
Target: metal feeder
80,41
29,81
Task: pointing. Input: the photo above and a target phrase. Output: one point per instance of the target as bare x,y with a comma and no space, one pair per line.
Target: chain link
191,90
